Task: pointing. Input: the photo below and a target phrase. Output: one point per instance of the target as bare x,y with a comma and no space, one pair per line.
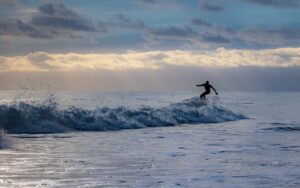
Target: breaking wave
49,118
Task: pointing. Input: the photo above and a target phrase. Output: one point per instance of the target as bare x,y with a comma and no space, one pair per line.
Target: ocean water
147,139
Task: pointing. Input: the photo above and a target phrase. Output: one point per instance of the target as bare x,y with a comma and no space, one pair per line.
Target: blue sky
122,37
150,25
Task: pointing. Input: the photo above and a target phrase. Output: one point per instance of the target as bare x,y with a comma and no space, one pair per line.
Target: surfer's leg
202,96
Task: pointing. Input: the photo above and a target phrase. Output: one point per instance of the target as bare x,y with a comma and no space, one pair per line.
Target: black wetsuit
207,90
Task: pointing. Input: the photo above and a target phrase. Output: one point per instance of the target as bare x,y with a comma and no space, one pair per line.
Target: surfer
207,87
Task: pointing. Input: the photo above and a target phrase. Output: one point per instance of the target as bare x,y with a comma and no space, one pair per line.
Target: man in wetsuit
207,87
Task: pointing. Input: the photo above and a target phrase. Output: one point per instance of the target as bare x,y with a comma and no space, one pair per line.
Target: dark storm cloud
57,16
200,22
277,3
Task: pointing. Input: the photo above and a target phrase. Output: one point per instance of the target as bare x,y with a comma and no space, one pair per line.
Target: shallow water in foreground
262,151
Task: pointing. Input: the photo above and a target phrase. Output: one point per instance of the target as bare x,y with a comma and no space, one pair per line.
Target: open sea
149,139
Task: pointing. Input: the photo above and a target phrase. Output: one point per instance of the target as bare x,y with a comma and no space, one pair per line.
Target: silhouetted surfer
207,87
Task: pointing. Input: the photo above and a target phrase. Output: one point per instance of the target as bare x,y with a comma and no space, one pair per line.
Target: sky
156,45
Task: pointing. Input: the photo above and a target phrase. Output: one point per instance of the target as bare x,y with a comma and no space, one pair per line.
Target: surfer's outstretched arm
214,90
199,85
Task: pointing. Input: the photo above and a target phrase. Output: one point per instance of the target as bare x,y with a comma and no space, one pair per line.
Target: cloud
42,61
15,27
123,21
9,3
248,36
208,6
160,4
286,33
214,5
269,36
62,23
277,3
200,22
199,32
183,33
51,20
57,16
167,32
215,39
102,26
150,1
172,32
58,10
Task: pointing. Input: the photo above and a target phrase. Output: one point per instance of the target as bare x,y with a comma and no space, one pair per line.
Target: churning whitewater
25,117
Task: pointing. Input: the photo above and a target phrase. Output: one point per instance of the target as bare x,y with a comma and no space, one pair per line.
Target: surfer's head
207,82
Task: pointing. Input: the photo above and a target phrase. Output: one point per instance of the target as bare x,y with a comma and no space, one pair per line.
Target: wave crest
48,118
